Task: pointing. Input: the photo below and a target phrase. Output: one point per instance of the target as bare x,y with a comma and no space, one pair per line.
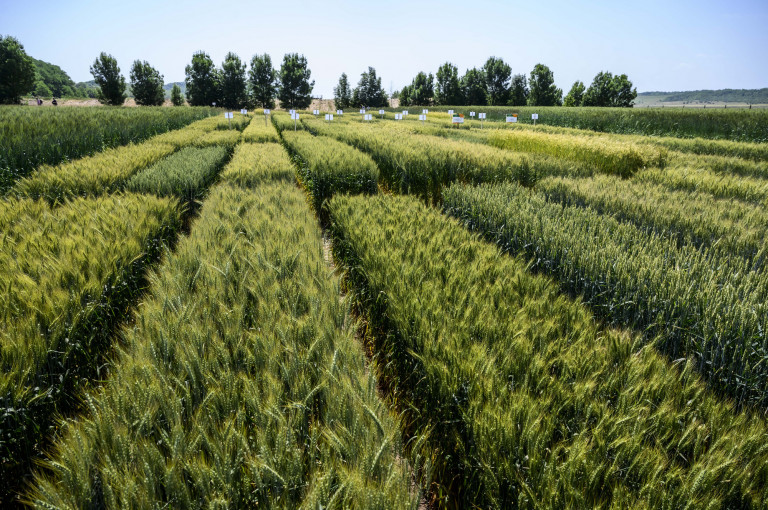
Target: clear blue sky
660,45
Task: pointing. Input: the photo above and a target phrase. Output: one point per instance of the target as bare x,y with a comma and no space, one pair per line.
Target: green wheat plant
327,166
31,137
257,163
241,383
703,305
69,275
186,174
525,402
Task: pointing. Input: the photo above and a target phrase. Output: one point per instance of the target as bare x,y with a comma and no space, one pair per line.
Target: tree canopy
609,90
342,95
368,91
448,89
497,81
106,74
473,87
295,87
576,95
147,84
234,93
17,71
519,91
262,79
203,80
176,98
544,92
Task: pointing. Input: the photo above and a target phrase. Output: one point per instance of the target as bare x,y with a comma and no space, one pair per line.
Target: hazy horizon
660,46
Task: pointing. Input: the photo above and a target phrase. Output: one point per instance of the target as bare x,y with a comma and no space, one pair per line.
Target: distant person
39,101
54,103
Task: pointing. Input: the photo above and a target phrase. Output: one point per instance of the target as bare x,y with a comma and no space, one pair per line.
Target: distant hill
51,80
168,86
749,96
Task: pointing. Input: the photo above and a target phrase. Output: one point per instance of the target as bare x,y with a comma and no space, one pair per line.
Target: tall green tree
497,81
623,93
448,89
147,84
576,95
544,92
518,94
106,74
342,95
422,89
234,93
473,87
176,98
405,96
368,91
600,92
295,87
203,81
17,71
263,81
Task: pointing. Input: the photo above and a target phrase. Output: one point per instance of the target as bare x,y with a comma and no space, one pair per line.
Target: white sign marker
367,116
292,112
422,117
482,116
398,116
329,117
228,115
339,112
316,112
266,111
471,114
535,116
295,116
457,120
244,112
425,111
511,118
405,112
362,111
450,112
381,112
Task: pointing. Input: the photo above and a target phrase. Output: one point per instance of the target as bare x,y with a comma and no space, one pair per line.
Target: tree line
234,86
494,84
228,86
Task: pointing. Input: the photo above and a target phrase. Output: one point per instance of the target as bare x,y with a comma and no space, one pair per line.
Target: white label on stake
362,111
381,112
405,112
398,116
535,116
244,112
316,112
266,111
291,111
471,114
457,120
368,116
339,112
422,117
294,116
511,118
425,111
482,115
450,112
328,116
228,115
